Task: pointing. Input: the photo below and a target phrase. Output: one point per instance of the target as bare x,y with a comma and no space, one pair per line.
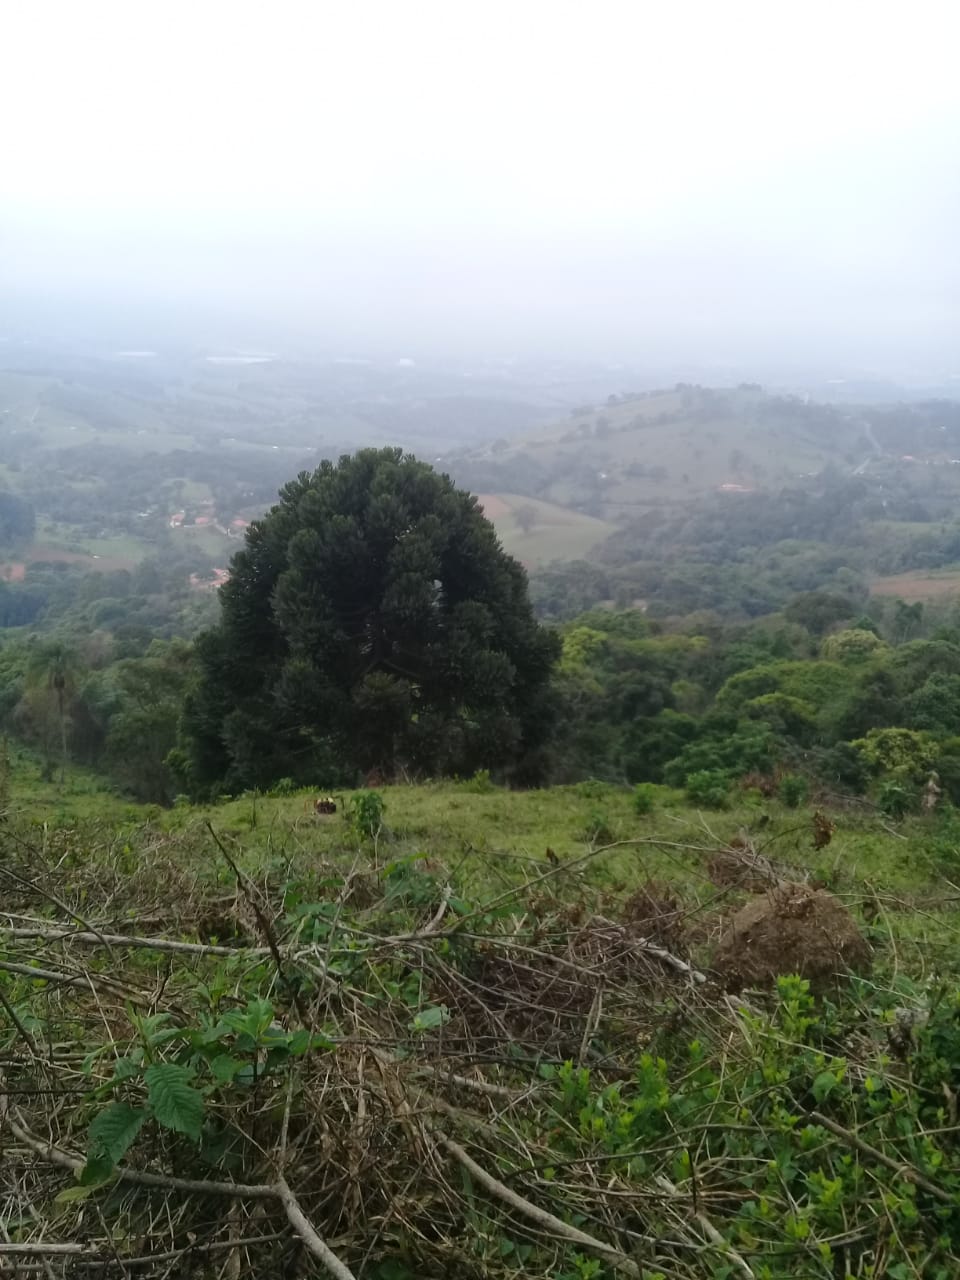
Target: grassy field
555,533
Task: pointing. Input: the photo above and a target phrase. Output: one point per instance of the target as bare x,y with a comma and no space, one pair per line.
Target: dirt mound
791,929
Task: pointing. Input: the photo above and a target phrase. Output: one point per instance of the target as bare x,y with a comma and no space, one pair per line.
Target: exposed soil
790,929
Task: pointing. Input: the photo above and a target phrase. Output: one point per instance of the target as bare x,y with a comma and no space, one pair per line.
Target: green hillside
658,449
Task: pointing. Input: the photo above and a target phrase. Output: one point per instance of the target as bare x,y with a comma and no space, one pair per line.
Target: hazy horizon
753,185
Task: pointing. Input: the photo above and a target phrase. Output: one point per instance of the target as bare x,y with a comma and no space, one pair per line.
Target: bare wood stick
709,1230
898,1166
266,927
468,1082
305,1230
133,940
39,1248
54,1155
618,1260
69,979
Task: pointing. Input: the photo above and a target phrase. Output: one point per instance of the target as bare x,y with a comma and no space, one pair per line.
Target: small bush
895,800
644,798
597,828
367,814
283,787
793,790
708,788
479,784
593,789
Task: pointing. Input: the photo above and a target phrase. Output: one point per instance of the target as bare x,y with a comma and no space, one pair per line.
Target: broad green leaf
824,1084
124,1068
113,1130
433,1016
174,1101
224,1067
98,1170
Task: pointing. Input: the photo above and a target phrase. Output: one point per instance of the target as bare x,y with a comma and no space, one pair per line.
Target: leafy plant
709,788
644,798
793,790
366,814
598,828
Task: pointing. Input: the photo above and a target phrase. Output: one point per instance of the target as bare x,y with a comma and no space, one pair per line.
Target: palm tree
52,669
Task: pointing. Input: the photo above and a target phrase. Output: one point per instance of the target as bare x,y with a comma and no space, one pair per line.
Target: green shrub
597,828
644,798
479,784
283,787
708,788
367,814
793,790
895,800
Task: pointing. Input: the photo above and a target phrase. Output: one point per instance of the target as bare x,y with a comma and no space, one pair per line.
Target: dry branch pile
359,1074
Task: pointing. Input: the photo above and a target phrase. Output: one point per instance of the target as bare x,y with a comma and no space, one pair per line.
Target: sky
704,180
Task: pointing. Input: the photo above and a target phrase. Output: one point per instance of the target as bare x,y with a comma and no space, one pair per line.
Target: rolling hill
662,448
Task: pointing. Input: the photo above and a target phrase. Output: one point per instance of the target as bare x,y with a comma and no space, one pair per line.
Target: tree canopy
371,622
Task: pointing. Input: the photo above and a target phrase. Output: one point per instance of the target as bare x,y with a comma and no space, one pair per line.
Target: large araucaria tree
371,622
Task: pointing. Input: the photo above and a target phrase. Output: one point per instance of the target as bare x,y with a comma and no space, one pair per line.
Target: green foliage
895,799
372,621
792,790
852,646
174,1102
644,798
598,828
708,788
366,814
113,1131
5,778
480,784
901,753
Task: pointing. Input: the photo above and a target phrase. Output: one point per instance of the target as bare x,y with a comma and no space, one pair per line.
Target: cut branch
614,1256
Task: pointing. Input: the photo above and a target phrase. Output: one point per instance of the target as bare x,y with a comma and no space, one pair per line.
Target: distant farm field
538,532
933,585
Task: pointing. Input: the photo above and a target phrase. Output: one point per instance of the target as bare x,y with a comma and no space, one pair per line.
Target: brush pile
350,1070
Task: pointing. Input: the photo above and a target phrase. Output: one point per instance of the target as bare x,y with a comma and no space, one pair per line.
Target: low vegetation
452,1029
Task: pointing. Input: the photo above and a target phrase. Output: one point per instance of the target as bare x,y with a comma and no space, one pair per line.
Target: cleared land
933,585
479,1033
537,532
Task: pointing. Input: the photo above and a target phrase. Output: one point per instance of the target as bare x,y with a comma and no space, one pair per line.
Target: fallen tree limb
898,1166
86,938
618,1260
709,1230
308,1235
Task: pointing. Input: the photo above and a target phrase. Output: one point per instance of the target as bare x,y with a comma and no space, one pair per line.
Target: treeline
867,704
816,696
747,554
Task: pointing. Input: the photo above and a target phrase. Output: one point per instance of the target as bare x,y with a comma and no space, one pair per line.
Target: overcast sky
708,179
